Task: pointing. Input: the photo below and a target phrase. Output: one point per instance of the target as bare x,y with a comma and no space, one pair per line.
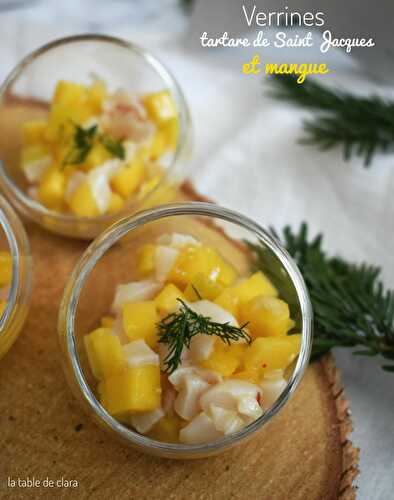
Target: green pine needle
351,307
363,126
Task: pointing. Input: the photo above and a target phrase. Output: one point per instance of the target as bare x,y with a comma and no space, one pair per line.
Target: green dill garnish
351,306
363,126
113,146
82,144
178,328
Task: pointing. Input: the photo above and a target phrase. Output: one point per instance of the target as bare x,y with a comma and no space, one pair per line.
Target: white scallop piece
143,422
201,347
165,258
187,403
134,292
73,183
213,311
34,170
177,240
138,353
98,180
200,430
226,421
272,389
229,394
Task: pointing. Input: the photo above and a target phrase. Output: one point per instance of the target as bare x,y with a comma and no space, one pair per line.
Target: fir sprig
363,126
177,330
351,306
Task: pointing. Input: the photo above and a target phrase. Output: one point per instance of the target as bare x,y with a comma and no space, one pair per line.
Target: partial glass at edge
109,261
13,239
27,89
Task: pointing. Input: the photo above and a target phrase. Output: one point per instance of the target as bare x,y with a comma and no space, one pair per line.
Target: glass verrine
14,242
25,96
109,260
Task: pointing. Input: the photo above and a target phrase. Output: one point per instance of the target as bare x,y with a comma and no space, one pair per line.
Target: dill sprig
83,141
351,306
363,126
178,328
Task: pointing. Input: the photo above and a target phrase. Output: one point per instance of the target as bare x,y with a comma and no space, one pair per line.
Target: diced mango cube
257,284
266,316
159,145
160,106
136,389
221,362
171,130
33,131
166,429
229,301
69,104
52,187
195,259
104,352
270,353
116,203
202,287
253,376
5,268
148,186
140,321
128,178
97,93
166,300
146,259
82,202
96,156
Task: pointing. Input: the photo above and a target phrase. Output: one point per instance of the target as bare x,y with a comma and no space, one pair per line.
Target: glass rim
171,83
11,225
110,237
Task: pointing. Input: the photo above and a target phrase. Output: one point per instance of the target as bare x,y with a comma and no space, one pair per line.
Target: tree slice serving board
304,453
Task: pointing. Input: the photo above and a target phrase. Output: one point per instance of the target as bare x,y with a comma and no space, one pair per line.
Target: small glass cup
27,90
13,239
109,261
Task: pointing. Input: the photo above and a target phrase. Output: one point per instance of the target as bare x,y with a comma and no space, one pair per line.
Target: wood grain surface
304,454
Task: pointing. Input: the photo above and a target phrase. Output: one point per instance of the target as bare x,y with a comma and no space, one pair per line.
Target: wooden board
303,454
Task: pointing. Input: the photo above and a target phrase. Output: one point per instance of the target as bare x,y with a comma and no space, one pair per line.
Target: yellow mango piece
202,287
146,259
3,305
82,202
270,353
166,300
136,389
171,131
52,187
221,362
116,203
166,429
159,145
160,106
266,316
296,339
33,131
229,301
70,103
96,156
97,93
140,321
104,352
107,321
200,259
5,268
253,376
257,284
148,186
126,181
